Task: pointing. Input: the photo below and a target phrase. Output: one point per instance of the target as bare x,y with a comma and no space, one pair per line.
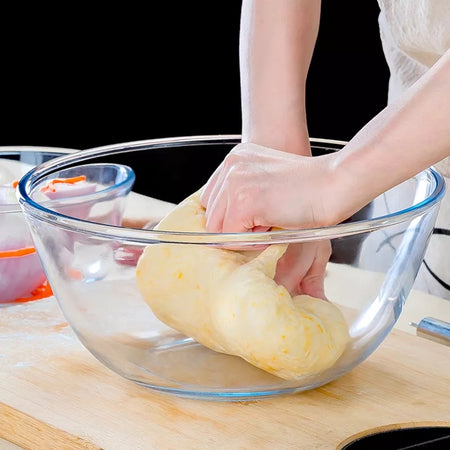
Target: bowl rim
142,236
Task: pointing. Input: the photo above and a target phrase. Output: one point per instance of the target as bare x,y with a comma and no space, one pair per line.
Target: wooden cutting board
55,394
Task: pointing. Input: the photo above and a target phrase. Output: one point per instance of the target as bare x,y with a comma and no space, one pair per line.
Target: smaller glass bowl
95,192
98,195
20,270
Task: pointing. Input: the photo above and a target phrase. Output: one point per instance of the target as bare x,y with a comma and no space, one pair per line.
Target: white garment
414,35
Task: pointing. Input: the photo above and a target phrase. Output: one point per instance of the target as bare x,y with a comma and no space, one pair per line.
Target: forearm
276,44
404,139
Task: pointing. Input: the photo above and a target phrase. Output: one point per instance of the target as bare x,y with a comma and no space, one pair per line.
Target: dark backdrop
79,77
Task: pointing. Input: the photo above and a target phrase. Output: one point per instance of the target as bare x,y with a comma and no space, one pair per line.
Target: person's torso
414,35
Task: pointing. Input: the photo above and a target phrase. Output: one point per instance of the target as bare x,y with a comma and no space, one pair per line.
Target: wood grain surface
54,392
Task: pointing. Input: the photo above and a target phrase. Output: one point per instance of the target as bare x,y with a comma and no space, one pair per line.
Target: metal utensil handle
433,329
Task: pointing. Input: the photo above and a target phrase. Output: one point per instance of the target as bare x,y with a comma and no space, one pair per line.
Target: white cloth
414,35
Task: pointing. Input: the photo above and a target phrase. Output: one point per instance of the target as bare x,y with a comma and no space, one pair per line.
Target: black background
78,77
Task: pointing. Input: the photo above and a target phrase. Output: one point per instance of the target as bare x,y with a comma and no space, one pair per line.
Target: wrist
353,183
283,137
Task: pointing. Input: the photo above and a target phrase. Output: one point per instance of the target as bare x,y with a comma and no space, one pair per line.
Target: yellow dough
228,301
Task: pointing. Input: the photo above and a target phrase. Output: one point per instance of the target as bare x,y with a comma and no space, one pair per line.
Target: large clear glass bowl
375,258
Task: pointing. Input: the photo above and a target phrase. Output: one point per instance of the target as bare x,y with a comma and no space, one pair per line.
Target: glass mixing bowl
91,191
20,270
375,258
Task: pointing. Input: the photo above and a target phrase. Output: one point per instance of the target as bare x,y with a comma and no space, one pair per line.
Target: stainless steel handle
433,329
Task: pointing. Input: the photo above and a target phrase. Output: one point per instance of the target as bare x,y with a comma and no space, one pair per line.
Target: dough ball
228,301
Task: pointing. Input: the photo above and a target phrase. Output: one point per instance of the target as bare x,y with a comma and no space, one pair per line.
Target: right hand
260,187
257,188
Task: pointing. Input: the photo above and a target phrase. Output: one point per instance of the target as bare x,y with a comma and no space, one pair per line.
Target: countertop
54,394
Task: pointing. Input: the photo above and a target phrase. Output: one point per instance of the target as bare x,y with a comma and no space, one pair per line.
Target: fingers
216,209
209,187
222,197
313,282
215,181
293,266
301,270
216,200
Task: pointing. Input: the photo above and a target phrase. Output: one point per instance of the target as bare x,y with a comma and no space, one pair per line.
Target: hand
301,270
260,187
255,188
